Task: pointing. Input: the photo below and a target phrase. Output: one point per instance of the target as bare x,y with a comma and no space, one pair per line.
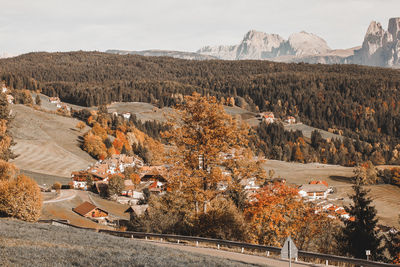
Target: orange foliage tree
201,133
276,212
20,198
94,145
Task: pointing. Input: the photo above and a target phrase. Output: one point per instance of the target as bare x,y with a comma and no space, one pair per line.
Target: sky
184,25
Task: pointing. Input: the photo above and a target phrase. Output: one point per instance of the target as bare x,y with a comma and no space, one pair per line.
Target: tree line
362,102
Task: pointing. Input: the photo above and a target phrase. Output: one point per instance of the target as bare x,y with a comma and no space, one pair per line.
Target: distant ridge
164,53
380,48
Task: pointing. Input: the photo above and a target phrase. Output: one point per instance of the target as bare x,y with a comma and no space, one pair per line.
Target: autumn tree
57,186
20,198
276,212
5,138
80,125
243,168
131,173
94,145
365,174
201,134
360,234
115,185
220,212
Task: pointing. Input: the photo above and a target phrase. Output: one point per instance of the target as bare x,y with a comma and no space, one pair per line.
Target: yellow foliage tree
201,134
277,212
94,145
20,198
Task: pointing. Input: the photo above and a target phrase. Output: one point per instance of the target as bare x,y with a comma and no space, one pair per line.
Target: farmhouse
89,210
129,188
136,211
290,120
54,100
126,115
268,117
314,191
10,99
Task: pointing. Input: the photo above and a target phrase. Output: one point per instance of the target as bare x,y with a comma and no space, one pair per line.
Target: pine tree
359,234
38,101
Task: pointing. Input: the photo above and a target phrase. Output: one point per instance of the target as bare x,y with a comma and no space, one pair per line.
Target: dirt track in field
47,143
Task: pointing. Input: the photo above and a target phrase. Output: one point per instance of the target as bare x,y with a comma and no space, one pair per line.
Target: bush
222,220
57,186
20,198
115,185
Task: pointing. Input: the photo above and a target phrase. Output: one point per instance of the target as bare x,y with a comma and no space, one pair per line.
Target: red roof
319,182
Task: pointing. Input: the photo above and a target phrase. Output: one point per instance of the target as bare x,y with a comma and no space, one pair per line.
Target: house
88,210
319,182
136,211
290,120
10,99
268,117
55,100
4,89
126,115
314,191
250,185
129,188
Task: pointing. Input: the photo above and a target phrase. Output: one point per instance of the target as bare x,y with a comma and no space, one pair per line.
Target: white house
314,191
10,99
290,120
79,185
4,89
126,115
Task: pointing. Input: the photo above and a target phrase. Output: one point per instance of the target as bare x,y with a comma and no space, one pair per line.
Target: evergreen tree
38,101
359,234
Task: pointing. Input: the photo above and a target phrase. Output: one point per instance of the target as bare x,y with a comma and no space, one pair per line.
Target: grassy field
45,179
47,143
33,244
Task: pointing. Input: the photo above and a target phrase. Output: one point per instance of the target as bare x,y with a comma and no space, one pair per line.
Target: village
150,180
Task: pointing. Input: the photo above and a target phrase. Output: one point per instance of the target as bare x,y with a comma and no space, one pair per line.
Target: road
245,258
63,196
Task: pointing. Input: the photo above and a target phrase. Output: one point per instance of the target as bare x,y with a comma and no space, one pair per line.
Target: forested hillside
363,102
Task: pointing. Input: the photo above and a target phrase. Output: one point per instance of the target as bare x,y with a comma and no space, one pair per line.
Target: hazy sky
67,25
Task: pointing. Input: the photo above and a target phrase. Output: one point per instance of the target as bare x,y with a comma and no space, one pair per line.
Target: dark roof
84,208
150,176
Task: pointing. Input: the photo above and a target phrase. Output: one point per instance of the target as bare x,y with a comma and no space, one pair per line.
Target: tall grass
34,244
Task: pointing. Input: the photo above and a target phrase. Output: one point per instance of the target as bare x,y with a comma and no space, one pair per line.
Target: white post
197,243
218,246
326,262
267,253
242,250
145,237
178,241
161,239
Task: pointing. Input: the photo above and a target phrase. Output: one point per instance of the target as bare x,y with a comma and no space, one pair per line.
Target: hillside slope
23,244
46,143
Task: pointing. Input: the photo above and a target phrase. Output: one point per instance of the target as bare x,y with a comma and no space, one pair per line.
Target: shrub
20,198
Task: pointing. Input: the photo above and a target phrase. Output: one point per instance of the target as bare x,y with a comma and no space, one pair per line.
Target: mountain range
380,48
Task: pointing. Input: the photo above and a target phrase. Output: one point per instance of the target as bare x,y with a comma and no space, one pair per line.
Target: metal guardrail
220,242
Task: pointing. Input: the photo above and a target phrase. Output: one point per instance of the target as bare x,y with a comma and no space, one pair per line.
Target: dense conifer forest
362,102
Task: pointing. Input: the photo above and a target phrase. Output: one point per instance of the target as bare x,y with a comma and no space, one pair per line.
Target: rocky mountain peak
394,27
305,43
374,28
